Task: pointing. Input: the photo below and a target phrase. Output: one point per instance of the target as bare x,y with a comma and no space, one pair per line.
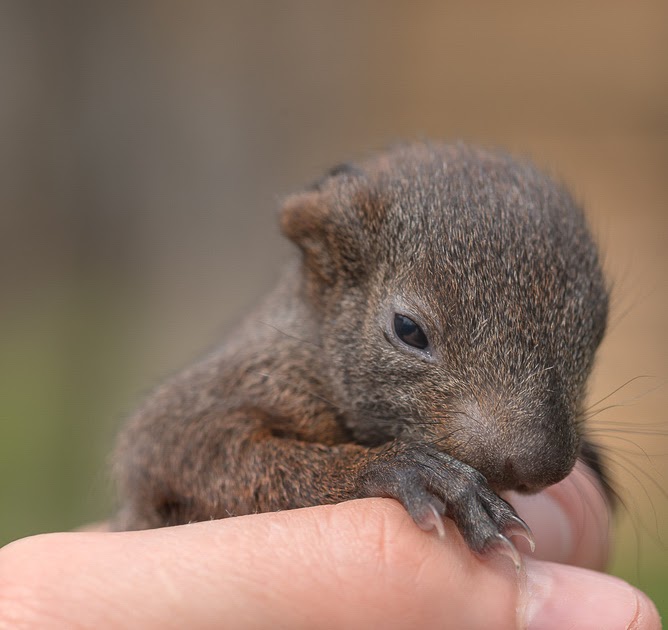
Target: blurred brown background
144,146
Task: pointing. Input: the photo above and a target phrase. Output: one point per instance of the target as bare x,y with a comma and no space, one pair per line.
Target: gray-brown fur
314,400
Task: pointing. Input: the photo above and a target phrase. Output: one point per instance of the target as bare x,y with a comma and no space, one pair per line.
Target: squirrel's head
460,299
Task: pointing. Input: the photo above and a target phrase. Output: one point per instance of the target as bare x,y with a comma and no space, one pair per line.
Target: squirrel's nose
515,480
525,472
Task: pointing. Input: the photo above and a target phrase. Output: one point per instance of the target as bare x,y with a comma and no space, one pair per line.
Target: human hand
355,565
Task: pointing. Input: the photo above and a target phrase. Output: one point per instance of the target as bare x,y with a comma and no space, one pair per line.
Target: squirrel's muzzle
523,451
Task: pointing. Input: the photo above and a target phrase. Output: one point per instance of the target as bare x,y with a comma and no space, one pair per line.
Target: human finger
358,564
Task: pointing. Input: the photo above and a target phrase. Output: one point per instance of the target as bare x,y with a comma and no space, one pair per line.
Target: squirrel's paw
431,484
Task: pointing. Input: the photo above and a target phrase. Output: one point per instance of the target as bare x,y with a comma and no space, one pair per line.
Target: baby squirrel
432,344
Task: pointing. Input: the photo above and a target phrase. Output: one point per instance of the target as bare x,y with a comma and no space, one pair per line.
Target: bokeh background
144,147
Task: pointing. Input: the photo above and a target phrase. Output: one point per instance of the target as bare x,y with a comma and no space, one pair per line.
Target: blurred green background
144,146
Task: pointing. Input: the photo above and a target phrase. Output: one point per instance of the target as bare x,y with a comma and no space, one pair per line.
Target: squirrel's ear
324,222
305,220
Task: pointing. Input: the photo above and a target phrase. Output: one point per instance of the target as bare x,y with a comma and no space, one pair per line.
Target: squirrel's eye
409,332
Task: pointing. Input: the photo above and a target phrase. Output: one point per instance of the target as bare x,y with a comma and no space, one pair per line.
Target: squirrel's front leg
237,465
224,464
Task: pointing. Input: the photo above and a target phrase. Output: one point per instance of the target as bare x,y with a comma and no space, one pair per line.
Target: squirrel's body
433,345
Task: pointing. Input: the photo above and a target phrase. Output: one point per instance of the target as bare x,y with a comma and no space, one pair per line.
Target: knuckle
384,533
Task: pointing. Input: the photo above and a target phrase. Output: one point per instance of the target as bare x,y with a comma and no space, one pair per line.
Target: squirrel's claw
519,528
431,517
504,547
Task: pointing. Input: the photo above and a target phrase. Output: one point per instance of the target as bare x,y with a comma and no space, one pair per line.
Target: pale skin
360,564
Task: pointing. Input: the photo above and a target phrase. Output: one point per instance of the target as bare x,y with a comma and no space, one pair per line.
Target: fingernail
549,523
561,596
